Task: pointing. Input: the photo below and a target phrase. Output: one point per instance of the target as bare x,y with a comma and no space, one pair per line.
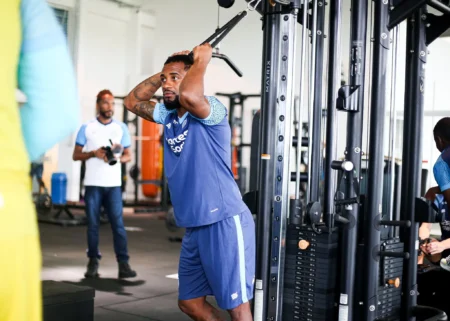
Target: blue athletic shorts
219,260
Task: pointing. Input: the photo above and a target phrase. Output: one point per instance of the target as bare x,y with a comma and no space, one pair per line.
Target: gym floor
152,295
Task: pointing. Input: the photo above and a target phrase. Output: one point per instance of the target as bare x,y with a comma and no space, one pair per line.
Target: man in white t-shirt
103,181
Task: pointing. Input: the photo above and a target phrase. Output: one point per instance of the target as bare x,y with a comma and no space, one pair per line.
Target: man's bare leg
241,313
200,310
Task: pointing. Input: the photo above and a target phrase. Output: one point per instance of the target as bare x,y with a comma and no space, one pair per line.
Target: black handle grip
303,177
342,165
295,141
404,255
229,63
396,223
224,57
336,165
349,201
341,219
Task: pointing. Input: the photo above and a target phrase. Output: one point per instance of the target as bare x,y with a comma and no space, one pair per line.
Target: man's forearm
446,244
424,231
146,89
193,85
137,100
81,156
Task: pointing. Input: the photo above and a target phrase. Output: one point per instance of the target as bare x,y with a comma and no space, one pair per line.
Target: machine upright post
283,146
315,142
353,154
416,58
373,210
266,168
334,74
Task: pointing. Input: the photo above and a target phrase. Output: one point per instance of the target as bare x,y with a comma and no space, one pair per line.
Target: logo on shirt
177,143
169,125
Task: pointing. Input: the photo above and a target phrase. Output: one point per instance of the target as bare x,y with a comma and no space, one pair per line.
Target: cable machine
334,263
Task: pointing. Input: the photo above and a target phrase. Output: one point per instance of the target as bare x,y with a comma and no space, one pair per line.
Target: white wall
437,99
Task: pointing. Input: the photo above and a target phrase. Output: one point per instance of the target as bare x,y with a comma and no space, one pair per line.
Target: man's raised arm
192,88
137,100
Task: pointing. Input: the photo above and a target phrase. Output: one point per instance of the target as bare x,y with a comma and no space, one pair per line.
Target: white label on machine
417,244
265,156
259,284
344,299
258,308
343,313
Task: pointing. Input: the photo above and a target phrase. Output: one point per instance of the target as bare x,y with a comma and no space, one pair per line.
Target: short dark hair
103,93
442,129
186,59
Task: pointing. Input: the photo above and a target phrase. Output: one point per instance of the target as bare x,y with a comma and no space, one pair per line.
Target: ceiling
146,5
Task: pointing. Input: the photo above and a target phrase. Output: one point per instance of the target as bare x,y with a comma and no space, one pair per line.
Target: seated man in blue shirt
440,194
218,250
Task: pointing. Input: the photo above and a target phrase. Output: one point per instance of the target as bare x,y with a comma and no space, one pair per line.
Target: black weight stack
391,271
310,275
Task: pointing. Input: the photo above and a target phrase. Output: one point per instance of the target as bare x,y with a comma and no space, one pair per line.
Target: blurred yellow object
20,264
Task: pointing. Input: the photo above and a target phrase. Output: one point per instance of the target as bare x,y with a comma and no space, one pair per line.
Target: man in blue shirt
441,193
218,250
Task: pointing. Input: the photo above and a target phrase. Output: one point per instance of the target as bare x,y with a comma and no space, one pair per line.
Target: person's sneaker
92,268
125,271
445,263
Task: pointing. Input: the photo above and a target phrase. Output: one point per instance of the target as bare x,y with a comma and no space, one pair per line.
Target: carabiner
249,5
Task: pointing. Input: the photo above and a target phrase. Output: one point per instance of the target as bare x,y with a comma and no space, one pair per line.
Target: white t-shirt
94,135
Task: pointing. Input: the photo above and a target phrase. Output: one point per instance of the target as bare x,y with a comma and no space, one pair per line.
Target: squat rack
237,100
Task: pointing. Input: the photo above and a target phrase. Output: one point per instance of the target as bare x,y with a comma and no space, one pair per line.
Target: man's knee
186,307
241,312
92,224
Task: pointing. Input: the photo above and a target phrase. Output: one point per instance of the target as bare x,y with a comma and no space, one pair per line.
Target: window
62,16
65,17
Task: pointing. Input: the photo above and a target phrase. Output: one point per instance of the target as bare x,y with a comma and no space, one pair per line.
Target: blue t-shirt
441,171
197,164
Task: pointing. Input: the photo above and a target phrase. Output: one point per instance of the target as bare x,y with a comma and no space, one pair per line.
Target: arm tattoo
145,109
146,89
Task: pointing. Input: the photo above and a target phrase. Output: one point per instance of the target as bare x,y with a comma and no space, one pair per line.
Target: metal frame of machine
384,286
